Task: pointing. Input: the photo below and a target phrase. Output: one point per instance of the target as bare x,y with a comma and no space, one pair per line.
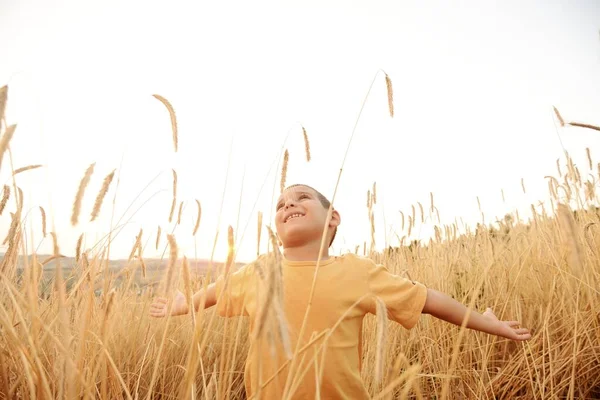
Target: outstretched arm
159,306
446,308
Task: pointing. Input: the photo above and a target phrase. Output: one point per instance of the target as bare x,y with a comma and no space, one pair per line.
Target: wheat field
93,338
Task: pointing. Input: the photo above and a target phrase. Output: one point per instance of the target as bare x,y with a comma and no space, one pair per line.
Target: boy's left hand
507,329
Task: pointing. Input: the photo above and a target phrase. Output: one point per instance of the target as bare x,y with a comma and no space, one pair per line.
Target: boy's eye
303,196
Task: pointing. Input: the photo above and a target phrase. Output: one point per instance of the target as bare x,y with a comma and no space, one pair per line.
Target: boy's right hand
159,306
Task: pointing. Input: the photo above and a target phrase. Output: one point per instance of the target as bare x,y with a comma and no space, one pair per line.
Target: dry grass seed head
286,158
101,194
78,248
179,213
173,117
3,100
197,225
43,212
136,244
422,213
5,140
27,168
306,144
172,212
80,192
402,215
559,117
158,237
589,158
523,185
390,94
374,192
5,196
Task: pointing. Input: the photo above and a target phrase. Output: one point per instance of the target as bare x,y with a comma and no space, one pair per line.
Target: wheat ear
3,100
78,248
559,117
158,237
5,139
172,116
286,158
197,218
43,212
5,196
101,194
306,144
260,219
27,168
80,192
390,94
381,338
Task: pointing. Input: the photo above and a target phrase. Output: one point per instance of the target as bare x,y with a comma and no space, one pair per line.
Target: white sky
474,84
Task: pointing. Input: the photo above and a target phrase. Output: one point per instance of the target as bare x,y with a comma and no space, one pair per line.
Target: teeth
293,216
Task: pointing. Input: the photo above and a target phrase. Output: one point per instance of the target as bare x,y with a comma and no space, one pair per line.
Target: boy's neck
306,252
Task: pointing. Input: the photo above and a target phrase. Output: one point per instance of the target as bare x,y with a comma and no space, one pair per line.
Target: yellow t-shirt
341,283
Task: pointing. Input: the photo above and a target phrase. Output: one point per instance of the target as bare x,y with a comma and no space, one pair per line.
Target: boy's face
300,216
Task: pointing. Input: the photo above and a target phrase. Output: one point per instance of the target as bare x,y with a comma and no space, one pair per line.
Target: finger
157,313
521,331
157,307
513,323
161,300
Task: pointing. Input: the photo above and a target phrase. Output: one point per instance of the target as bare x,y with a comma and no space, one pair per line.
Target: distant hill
122,269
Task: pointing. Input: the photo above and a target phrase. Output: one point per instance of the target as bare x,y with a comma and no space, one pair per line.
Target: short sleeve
232,293
403,298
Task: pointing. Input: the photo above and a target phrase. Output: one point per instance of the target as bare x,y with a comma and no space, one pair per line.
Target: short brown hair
324,202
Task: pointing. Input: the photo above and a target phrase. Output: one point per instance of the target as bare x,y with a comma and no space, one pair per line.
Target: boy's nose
290,203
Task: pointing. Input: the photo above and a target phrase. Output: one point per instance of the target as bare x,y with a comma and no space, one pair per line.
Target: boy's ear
336,219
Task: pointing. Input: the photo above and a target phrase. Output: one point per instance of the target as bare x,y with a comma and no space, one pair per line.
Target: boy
348,287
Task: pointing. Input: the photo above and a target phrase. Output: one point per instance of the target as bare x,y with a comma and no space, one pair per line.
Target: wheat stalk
5,196
589,158
390,94
80,192
422,213
567,224
174,202
382,322
197,225
402,214
306,144
101,194
158,237
523,185
260,219
369,199
5,139
286,158
188,289
431,200
27,168
172,116
172,262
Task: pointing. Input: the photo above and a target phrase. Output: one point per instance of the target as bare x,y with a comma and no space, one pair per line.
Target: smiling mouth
297,215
